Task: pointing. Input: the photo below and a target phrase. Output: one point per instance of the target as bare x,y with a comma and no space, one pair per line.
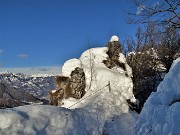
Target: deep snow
160,114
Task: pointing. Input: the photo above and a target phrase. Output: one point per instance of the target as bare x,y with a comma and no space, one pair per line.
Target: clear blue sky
49,32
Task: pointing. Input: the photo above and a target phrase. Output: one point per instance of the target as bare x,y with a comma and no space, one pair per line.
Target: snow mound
69,66
49,120
160,115
106,89
114,38
41,120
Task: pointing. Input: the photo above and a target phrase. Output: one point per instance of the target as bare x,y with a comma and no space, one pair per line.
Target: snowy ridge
37,85
160,115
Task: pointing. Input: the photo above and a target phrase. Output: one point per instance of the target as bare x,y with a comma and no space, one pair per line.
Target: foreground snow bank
49,120
41,120
160,115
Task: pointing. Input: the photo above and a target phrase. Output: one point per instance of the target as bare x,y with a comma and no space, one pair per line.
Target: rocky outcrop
78,83
68,87
114,48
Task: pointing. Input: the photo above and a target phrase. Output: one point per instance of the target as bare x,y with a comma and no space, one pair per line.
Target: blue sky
35,33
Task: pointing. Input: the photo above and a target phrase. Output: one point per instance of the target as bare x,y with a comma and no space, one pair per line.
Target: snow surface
103,109
101,101
114,38
160,114
50,120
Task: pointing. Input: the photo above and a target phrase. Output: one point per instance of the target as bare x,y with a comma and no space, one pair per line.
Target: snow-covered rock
160,115
114,38
70,65
106,89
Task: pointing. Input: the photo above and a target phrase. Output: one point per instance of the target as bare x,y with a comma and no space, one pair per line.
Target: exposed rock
78,83
56,97
114,48
68,87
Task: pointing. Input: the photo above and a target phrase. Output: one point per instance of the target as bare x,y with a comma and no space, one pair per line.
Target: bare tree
169,47
91,61
165,13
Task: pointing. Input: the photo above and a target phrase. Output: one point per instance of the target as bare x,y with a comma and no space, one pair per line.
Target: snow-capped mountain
37,85
11,97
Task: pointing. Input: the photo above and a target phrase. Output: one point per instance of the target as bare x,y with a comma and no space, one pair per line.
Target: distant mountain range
19,89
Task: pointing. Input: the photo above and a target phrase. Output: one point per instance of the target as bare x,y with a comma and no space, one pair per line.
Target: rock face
68,87
114,48
56,97
78,83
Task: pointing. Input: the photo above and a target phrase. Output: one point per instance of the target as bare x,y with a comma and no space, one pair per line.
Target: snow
53,91
69,66
101,100
41,120
114,38
102,110
49,120
160,115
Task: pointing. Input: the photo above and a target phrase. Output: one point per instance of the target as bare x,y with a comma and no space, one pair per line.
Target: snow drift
160,115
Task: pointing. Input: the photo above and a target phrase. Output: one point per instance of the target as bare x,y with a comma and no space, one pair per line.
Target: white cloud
22,56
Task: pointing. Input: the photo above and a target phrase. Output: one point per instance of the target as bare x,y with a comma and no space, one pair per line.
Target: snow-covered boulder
107,90
69,66
160,114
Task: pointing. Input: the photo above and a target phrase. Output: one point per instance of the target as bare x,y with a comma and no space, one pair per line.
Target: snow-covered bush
147,70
